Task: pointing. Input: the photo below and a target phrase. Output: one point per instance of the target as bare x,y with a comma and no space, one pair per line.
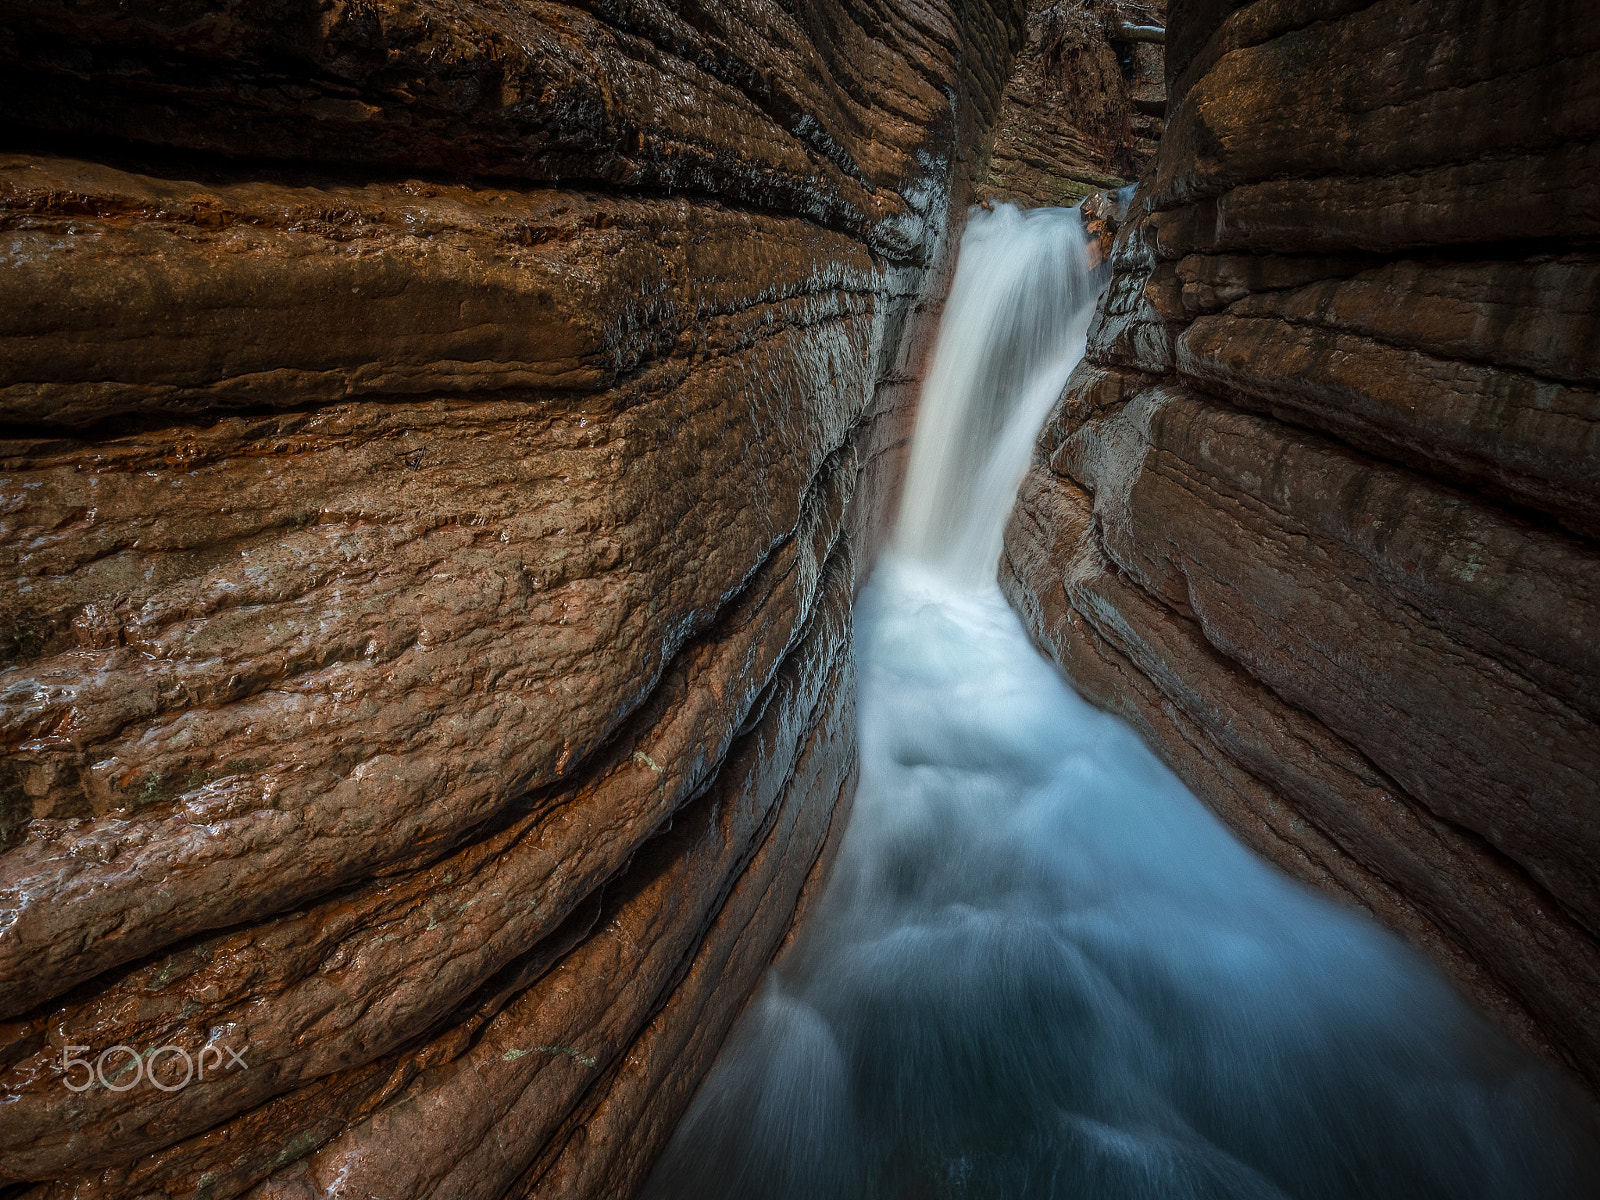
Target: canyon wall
1083,109
1319,511
440,443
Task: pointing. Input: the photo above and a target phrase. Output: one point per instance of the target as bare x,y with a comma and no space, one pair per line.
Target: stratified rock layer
439,445
1083,109
1318,512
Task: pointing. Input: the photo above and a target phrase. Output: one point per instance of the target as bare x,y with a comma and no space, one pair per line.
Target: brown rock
292,987
190,298
1081,112
1318,514
608,1147
808,111
438,447
1516,80
470,1127
1534,440
347,598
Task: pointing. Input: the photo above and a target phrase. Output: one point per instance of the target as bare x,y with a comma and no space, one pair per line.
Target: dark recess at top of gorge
1083,110
825,111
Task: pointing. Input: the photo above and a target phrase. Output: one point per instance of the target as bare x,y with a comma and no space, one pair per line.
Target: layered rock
1318,513
1083,109
439,447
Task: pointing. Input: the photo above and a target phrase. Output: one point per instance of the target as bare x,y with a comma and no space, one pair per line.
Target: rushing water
1042,968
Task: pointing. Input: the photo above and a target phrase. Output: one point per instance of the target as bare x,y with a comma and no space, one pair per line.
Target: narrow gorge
444,445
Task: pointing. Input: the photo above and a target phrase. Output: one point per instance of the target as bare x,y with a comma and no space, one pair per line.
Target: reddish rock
820,111
1083,108
1318,513
438,447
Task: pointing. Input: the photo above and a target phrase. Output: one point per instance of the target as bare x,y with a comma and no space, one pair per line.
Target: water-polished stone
1319,512
437,450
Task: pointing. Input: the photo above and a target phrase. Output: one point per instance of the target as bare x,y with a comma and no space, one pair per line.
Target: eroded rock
439,447
1318,512
1083,110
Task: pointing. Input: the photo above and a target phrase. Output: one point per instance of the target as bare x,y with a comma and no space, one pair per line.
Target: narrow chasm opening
1042,967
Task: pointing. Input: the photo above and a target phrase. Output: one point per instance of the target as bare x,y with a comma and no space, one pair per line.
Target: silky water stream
1042,968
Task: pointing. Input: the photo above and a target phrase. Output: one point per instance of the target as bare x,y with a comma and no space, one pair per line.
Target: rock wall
439,444
1083,109
1319,512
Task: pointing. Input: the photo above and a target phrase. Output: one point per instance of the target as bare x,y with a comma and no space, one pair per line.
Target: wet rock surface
1083,109
438,447
1318,513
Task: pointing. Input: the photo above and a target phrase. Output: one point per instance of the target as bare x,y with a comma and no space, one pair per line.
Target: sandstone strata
1083,109
439,445
1318,513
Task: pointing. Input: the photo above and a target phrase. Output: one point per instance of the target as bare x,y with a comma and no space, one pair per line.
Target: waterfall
1012,331
1042,968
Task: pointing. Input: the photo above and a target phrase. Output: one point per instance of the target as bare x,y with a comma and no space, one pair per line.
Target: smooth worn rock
1462,364
480,1120
1319,511
292,987
191,299
820,111
439,448
354,607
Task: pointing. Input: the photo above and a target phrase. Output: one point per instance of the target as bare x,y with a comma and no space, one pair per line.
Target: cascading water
1042,968
1013,329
